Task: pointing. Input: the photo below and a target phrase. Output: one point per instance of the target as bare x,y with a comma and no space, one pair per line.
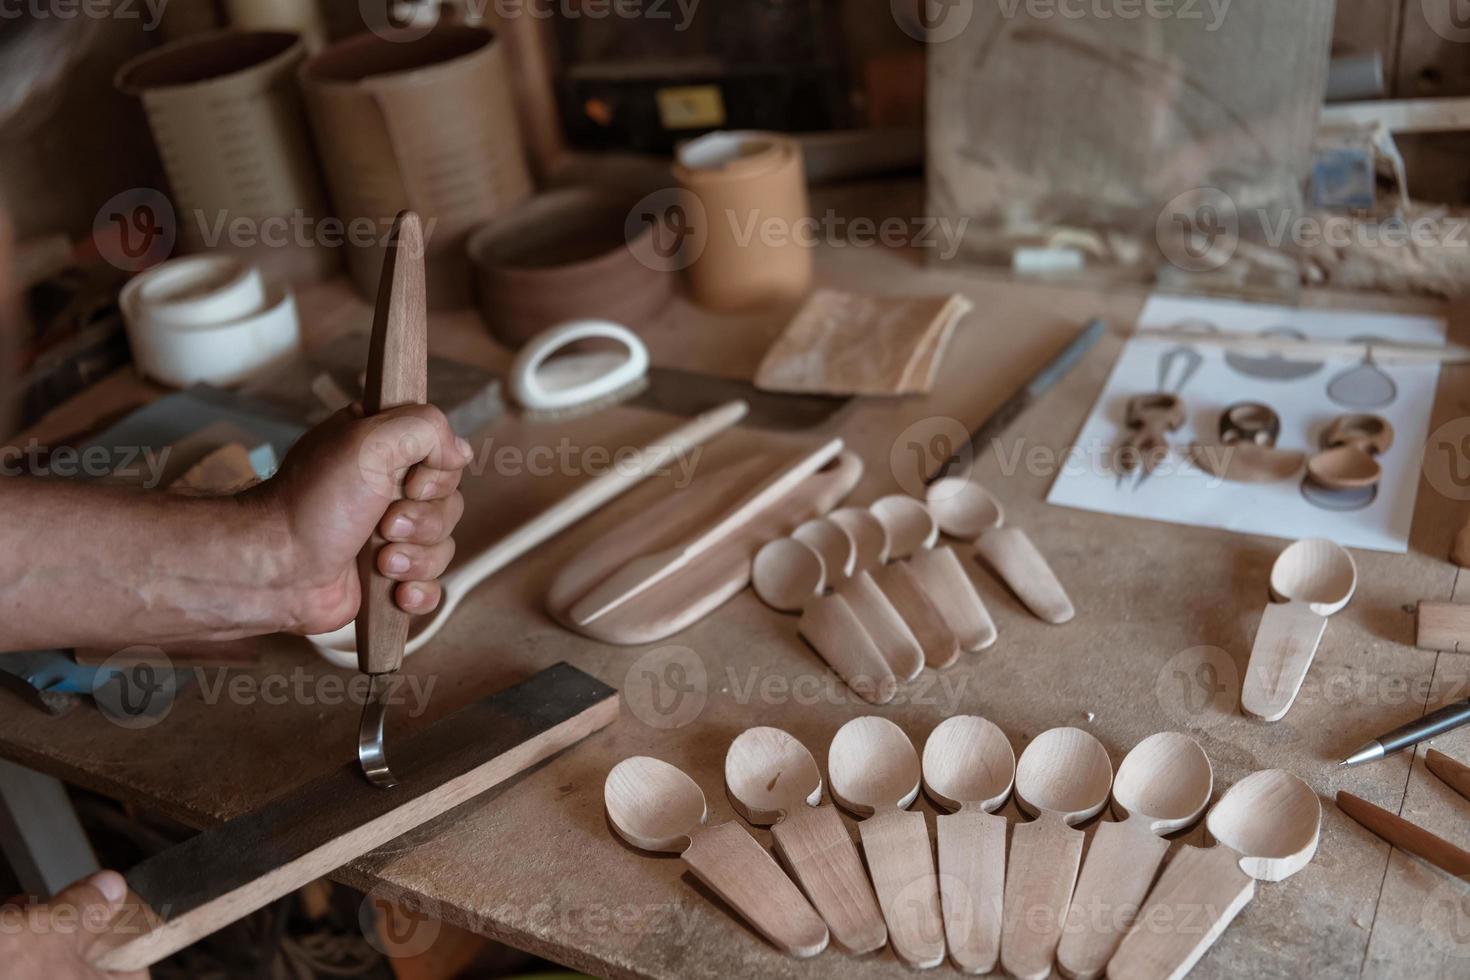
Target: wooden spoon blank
889,632
1040,873
972,868
1121,863
735,867
839,554
1284,647
1015,559
1205,885
1452,773
927,621
815,844
835,632
946,582
901,862
1406,836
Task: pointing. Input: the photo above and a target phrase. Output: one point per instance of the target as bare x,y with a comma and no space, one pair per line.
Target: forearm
87,565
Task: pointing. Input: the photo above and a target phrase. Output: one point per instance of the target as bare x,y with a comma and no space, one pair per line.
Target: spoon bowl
869,536
831,542
1064,771
653,805
768,774
964,509
1166,779
1272,820
1318,572
968,761
873,766
908,523
787,574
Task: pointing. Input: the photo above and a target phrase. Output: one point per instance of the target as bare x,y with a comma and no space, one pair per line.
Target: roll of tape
206,319
751,191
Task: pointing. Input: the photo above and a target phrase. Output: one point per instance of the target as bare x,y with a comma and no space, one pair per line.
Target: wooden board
225,873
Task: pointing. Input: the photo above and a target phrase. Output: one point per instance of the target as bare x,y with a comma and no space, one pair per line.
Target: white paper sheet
1180,493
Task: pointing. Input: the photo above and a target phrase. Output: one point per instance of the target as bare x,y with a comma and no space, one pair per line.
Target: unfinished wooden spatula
882,622
968,511
935,573
1062,779
875,774
1267,827
655,806
969,769
773,782
1311,580
1163,785
790,577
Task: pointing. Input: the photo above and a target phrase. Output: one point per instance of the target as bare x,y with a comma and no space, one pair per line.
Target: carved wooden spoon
655,806
773,782
969,768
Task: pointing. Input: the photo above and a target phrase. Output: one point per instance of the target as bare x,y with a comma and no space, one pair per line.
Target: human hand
338,484
55,939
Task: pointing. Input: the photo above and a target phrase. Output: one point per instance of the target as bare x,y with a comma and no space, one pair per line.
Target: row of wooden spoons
880,600
1025,913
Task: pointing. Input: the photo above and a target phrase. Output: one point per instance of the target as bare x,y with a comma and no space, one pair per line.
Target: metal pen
1446,719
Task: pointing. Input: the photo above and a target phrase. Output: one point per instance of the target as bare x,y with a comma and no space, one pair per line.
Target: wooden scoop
969,768
1063,778
789,576
883,623
1267,826
1163,785
968,511
773,782
936,575
868,535
1310,581
655,806
875,770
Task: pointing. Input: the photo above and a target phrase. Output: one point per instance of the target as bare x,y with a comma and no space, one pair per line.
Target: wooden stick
1383,353
1453,774
1404,835
1442,626
227,872
1460,552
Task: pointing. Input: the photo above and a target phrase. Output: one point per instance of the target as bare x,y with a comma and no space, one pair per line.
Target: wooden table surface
535,863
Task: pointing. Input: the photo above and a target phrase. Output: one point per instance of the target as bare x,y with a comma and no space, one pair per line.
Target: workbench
535,863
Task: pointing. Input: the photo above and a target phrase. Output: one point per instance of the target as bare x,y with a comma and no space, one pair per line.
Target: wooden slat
227,872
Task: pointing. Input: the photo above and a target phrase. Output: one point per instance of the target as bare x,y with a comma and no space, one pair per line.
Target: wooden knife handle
397,374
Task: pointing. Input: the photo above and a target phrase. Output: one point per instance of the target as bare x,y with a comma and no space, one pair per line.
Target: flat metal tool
397,374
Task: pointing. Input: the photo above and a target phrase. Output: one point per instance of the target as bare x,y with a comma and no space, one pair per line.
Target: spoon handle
815,844
972,874
902,865
1121,864
949,585
834,631
1015,559
1285,646
895,641
740,871
902,587
1201,892
1045,855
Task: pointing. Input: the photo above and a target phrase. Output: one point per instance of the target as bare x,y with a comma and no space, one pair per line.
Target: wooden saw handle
397,374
